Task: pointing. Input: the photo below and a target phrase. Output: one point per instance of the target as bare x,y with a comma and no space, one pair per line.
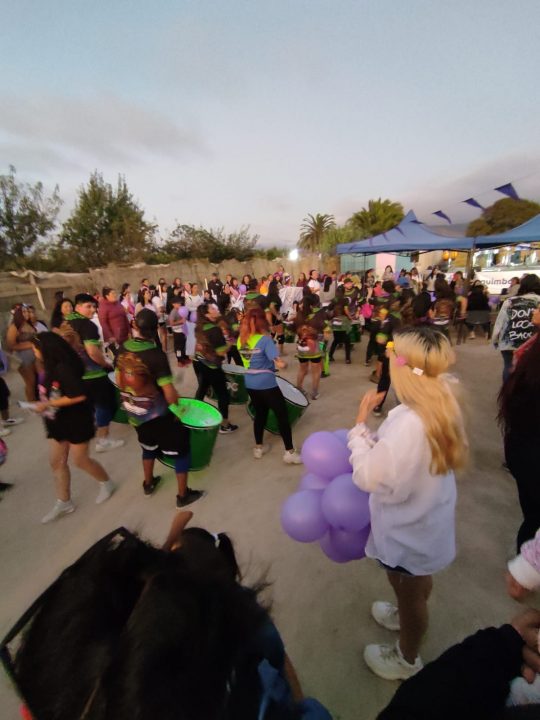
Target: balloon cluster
328,506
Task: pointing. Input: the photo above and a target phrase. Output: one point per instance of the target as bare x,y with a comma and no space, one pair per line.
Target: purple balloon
313,482
352,545
242,288
325,455
332,552
344,505
301,516
341,434
183,312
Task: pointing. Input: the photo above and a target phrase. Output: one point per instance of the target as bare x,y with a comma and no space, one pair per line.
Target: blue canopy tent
413,236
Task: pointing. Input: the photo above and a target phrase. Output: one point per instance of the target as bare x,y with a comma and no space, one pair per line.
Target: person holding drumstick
261,357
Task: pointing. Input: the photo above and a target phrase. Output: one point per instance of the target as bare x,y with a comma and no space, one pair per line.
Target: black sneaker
148,488
377,411
225,429
190,496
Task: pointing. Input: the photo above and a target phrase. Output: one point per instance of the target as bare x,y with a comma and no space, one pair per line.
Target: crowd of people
408,465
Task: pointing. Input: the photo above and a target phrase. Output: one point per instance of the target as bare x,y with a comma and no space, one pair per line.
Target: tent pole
470,263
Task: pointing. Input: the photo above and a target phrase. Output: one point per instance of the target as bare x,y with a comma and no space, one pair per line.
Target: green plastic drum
289,332
355,332
120,416
296,403
236,383
323,345
203,421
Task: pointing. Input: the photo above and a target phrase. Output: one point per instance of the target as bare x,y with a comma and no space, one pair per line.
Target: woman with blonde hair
408,467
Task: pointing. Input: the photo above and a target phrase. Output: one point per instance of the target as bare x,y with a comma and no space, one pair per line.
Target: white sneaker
387,662
472,336
106,489
4,432
12,421
291,457
60,508
105,444
385,614
258,452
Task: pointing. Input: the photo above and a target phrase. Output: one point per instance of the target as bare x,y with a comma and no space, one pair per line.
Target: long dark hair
18,318
57,317
56,351
529,284
519,396
153,634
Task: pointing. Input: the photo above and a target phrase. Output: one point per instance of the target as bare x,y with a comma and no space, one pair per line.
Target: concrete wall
19,287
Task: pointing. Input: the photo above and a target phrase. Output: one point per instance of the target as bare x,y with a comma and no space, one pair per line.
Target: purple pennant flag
474,203
442,215
509,190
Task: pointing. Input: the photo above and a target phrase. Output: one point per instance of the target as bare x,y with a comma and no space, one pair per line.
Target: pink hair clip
401,361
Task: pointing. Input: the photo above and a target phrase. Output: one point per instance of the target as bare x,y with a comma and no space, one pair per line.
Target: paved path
321,609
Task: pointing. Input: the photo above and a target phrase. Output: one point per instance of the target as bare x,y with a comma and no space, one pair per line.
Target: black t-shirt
142,369
86,333
215,287
62,423
211,344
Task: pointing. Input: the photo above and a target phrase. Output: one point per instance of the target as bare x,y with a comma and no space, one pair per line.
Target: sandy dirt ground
321,609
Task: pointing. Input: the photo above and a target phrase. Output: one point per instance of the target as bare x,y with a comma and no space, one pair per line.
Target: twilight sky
243,112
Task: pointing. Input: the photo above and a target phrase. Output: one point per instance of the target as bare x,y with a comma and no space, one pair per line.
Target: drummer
261,357
211,351
144,378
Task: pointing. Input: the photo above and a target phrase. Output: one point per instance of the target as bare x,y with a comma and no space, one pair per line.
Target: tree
26,216
335,236
186,241
106,225
503,215
378,217
312,231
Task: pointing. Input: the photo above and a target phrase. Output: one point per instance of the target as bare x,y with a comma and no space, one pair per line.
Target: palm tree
378,217
313,229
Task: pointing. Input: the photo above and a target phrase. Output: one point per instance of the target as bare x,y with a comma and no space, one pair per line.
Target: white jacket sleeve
389,466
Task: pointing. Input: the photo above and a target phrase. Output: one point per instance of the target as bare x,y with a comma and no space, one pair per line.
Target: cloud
523,170
103,129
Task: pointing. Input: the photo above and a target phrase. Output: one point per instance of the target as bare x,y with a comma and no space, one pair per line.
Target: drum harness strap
246,353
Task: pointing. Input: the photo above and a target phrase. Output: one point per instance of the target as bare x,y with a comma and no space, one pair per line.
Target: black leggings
233,354
340,336
384,383
263,401
214,378
373,346
179,340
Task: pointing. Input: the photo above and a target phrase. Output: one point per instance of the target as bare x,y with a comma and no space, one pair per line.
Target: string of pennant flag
508,189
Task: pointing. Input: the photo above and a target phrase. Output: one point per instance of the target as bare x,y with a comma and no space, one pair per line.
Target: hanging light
454,254
445,255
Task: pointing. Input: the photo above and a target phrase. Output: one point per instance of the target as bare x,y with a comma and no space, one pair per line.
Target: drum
289,332
203,421
120,416
325,359
354,333
236,384
295,401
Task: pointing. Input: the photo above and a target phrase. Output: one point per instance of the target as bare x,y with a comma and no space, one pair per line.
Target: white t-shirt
412,511
314,286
